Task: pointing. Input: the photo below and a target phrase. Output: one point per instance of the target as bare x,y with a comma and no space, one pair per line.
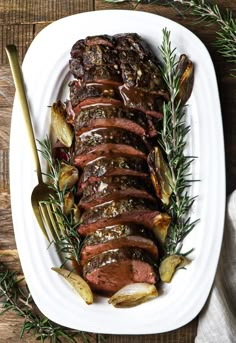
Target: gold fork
41,193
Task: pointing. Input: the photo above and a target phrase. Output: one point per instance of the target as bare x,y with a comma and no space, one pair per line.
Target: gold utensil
41,193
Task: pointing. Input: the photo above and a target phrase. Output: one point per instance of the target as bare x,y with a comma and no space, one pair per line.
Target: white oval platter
46,74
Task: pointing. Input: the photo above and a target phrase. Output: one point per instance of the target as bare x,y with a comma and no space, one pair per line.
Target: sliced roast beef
144,75
100,40
123,211
97,50
107,142
96,101
115,105
109,150
149,103
102,73
109,271
90,139
79,93
104,166
115,188
107,166
128,56
113,116
115,237
133,42
99,55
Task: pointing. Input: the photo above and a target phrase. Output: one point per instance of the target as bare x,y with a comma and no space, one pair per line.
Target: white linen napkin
217,320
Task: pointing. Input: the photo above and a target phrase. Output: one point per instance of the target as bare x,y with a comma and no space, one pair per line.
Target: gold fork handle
20,91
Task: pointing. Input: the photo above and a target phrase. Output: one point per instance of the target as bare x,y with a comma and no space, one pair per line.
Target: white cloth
217,320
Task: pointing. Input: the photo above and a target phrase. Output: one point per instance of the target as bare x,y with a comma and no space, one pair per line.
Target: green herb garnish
16,297
173,141
69,241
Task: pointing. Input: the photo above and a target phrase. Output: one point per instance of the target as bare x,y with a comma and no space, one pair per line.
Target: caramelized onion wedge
76,213
186,73
169,265
69,202
63,131
78,284
160,226
133,294
160,175
69,175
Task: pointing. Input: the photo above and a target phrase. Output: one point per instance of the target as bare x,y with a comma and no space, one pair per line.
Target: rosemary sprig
69,242
173,142
226,36
211,14
18,299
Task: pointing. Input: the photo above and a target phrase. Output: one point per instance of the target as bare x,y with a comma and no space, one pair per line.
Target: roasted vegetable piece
186,74
78,284
160,175
133,294
68,203
161,225
76,213
69,175
169,265
63,131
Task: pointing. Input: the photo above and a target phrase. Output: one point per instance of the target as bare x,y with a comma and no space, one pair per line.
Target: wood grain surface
20,22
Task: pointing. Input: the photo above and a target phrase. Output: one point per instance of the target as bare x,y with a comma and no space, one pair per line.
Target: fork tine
47,220
40,221
58,220
51,213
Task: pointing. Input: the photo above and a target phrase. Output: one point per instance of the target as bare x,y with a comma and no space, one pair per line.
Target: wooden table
20,21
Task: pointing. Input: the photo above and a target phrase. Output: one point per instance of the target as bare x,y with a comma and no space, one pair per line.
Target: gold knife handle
21,93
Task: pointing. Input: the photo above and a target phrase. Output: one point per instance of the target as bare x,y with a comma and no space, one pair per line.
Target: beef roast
144,75
115,188
111,270
133,42
115,237
116,166
136,98
97,73
123,211
100,40
78,93
115,107
109,150
90,139
126,61
107,142
113,116
104,166
98,54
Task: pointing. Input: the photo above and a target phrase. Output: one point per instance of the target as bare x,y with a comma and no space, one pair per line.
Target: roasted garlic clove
63,131
169,265
69,175
133,294
68,203
76,214
186,73
161,224
78,284
160,175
